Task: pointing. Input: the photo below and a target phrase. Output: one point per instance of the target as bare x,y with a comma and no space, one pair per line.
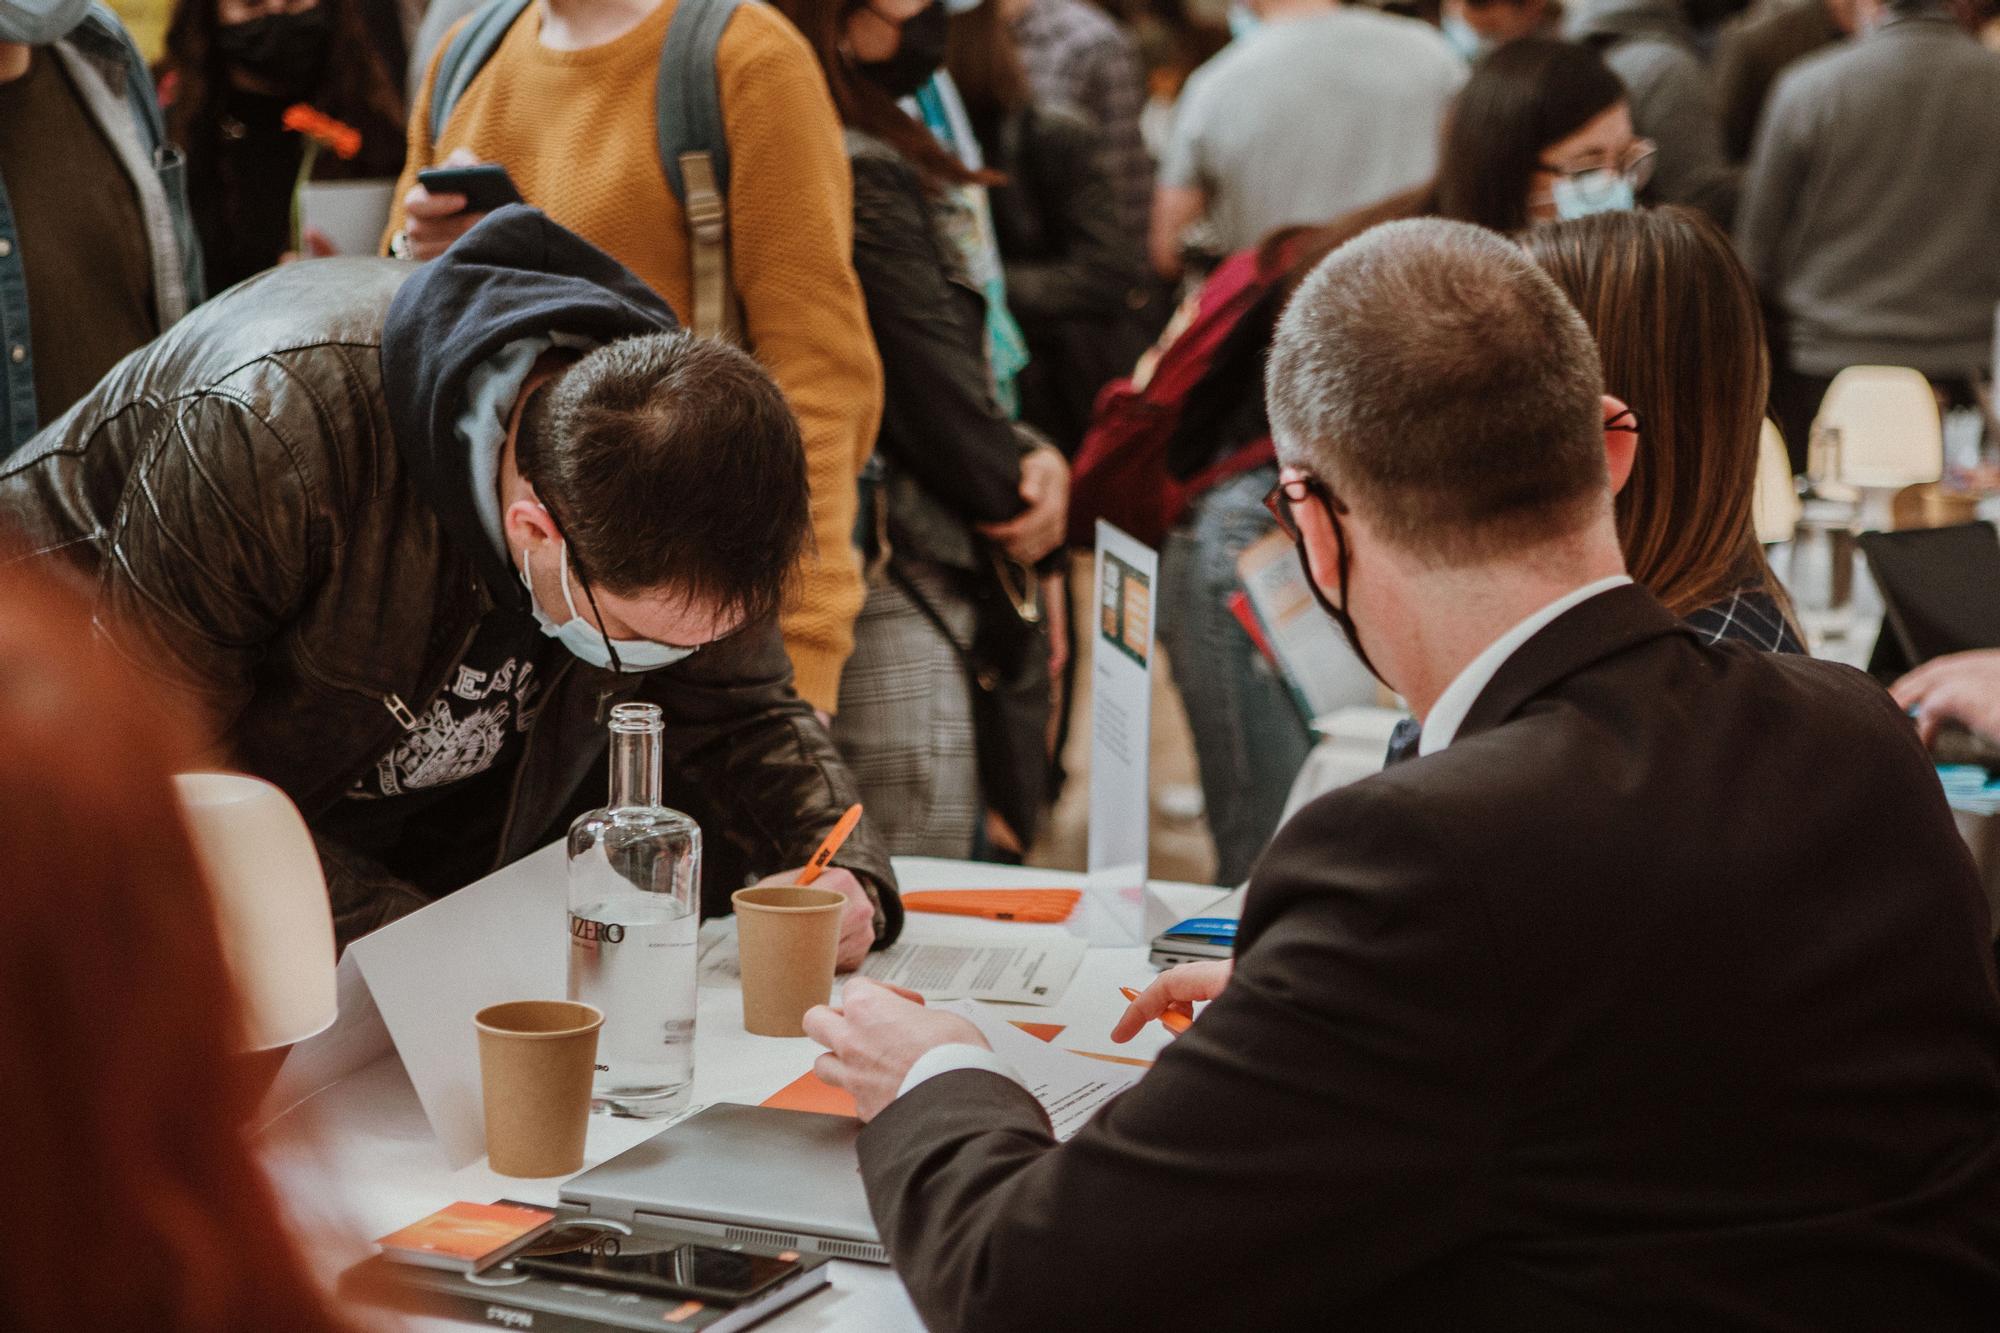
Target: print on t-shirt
461,735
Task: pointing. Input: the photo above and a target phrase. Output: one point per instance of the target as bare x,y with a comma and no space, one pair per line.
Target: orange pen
831,847
1173,1020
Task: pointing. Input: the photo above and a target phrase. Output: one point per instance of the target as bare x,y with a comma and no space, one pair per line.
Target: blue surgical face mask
589,643
40,22
1464,38
1593,192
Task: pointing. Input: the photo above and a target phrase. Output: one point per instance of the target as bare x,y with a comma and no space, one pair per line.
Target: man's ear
529,527
1621,441
1317,538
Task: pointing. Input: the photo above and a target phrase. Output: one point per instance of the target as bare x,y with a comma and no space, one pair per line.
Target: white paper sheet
1071,1088
1028,972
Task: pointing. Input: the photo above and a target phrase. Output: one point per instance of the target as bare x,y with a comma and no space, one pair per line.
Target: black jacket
1660,1000
953,456
1076,284
277,513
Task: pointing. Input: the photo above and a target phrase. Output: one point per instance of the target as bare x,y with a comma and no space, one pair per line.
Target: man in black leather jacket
405,535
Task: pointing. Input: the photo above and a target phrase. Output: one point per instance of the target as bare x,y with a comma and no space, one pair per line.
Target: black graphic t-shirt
431,807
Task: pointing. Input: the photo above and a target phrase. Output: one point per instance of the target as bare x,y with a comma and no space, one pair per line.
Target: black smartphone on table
486,186
663,1267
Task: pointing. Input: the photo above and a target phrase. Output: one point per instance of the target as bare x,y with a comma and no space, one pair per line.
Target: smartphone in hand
485,186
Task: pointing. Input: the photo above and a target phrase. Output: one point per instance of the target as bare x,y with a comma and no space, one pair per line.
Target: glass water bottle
634,915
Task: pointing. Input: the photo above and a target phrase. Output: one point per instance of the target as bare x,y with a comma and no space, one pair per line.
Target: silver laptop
786,1179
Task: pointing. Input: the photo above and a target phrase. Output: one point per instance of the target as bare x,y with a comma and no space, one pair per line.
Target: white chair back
1776,505
1890,432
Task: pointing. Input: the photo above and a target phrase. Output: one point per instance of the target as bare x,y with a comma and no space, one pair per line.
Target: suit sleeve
736,727
1342,1090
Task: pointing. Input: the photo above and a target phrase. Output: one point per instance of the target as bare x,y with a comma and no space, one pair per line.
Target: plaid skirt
905,720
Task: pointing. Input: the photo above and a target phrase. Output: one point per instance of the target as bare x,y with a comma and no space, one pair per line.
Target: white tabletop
359,1160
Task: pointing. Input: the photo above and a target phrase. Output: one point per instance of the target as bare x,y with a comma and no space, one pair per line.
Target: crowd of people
770,363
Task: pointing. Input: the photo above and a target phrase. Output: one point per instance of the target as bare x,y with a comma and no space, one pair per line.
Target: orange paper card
467,1231
1040,1031
811,1093
997,904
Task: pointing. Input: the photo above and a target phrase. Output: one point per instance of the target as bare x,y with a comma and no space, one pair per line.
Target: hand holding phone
449,200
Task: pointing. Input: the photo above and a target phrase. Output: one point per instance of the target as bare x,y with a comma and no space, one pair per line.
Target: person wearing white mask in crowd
97,255
402,545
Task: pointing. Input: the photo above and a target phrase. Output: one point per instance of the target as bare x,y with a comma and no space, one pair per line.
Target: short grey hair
1439,381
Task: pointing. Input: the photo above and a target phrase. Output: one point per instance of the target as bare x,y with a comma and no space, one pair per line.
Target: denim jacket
111,77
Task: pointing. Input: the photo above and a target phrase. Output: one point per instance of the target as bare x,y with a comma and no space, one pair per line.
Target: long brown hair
124,1103
861,103
1682,340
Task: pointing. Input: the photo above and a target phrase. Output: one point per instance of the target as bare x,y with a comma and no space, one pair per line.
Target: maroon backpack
1121,473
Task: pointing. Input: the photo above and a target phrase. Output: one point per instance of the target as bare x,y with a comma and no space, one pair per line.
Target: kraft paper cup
537,1059
786,939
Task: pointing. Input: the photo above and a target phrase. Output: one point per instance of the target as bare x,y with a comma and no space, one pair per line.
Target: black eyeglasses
1281,497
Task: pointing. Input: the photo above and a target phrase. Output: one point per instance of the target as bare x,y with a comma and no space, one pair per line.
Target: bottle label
594,934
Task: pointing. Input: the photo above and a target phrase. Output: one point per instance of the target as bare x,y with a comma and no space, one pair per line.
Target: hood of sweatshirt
516,278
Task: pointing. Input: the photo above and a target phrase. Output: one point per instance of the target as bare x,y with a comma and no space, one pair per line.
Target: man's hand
1177,988
433,221
1038,529
1963,688
857,922
874,1037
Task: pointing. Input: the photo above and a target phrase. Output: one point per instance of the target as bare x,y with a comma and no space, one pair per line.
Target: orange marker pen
1173,1020
831,847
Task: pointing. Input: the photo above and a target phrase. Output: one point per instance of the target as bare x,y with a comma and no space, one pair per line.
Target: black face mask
286,50
917,58
1337,614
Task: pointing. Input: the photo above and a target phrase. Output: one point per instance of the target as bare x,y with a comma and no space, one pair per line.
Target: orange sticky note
809,1092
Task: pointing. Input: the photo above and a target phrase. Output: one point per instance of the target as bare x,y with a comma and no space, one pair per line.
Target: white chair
1775,506
270,904
1878,430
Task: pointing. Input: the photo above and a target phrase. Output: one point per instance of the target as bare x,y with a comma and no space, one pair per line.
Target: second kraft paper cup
537,1060
786,940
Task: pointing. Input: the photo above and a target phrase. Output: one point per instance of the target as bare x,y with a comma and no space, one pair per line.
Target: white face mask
1593,192
588,642
1464,38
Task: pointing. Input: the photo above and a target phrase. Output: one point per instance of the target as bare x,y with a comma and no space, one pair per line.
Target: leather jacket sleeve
197,578
735,727
1056,154
940,422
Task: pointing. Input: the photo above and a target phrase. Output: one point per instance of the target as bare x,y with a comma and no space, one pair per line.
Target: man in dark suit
1652,995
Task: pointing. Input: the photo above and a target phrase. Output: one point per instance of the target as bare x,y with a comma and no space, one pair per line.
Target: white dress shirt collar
1448,713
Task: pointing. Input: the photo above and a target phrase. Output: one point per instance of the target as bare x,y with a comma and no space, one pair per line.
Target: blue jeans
1249,736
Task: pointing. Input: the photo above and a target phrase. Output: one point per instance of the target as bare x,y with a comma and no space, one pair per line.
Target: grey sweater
1871,211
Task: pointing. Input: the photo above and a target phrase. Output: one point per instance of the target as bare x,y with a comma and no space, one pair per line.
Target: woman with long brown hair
135,1200
969,499
1677,324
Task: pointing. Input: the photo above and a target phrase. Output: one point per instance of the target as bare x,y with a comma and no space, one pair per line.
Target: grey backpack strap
694,151
467,55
